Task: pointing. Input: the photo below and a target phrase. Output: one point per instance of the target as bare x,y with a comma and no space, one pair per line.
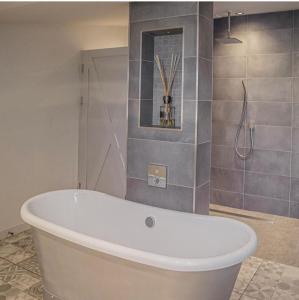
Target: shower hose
251,129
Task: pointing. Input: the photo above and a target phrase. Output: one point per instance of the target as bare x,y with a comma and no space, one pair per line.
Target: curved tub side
74,272
139,256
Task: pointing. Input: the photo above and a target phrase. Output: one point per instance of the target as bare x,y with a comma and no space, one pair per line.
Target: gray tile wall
186,152
268,61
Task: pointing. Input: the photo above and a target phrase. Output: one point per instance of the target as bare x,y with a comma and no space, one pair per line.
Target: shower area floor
259,278
278,237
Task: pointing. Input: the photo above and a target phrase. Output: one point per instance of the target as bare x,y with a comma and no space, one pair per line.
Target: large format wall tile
229,89
225,157
275,20
275,114
204,127
296,89
272,137
296,18
205,73
266,205
229,67
270,162
295,165
142,11
294,210
205,38
228,180
230,49
203,166
227,112
295,190
296,39
179,158
269,41
224,134
134,79
270,89
295,140
272,186
190,78
202,199
275,65
206,9
296,64
174,197
227,198
296,115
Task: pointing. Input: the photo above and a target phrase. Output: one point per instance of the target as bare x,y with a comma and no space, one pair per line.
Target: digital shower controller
157,175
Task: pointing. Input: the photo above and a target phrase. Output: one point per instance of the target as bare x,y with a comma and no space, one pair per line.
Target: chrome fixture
150,222
250,125
228,39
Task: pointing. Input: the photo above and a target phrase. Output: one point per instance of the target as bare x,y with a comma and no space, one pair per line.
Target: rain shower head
228,39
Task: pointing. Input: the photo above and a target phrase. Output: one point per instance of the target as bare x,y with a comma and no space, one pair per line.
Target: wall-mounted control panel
157,176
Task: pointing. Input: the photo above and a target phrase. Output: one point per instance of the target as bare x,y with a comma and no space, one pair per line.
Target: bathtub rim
140,256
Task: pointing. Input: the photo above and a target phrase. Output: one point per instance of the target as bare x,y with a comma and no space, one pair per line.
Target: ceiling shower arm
228,24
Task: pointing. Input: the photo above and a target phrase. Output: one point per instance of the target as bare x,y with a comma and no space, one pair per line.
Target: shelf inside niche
163,43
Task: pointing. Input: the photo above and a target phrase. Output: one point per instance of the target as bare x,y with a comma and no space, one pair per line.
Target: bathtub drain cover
150,222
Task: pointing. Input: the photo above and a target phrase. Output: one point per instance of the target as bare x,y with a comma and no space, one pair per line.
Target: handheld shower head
228,39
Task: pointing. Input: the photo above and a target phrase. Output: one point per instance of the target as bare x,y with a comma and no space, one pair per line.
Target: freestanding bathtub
92,246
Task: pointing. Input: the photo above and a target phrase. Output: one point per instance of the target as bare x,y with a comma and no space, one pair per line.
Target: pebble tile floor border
258,279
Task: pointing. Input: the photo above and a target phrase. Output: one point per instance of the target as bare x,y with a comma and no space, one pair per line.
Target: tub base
49,296
73,272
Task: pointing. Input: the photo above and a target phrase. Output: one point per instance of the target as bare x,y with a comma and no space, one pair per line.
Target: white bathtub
92,246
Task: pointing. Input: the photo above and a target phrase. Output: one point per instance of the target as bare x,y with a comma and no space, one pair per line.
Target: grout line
258,54
254,78
292,116
245,123
168,184
289,101
251,172
265,125
163,141
196,115
249,194
258,149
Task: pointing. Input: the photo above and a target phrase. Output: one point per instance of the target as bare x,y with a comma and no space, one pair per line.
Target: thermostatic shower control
156,175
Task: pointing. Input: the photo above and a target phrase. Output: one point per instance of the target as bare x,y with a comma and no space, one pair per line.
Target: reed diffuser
167,110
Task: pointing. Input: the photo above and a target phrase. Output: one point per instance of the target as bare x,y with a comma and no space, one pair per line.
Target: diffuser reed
167,110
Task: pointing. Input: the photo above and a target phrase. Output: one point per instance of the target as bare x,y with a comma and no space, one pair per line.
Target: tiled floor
258,279
19,270
278,236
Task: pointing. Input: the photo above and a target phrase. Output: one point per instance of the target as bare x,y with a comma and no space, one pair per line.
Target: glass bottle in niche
167,113
167,110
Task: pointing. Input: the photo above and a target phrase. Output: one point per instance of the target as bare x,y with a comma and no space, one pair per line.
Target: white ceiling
253,7
111,13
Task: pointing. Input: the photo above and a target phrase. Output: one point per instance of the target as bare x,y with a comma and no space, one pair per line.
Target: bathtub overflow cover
150,222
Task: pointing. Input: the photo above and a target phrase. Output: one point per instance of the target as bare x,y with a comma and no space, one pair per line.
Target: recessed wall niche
165,44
